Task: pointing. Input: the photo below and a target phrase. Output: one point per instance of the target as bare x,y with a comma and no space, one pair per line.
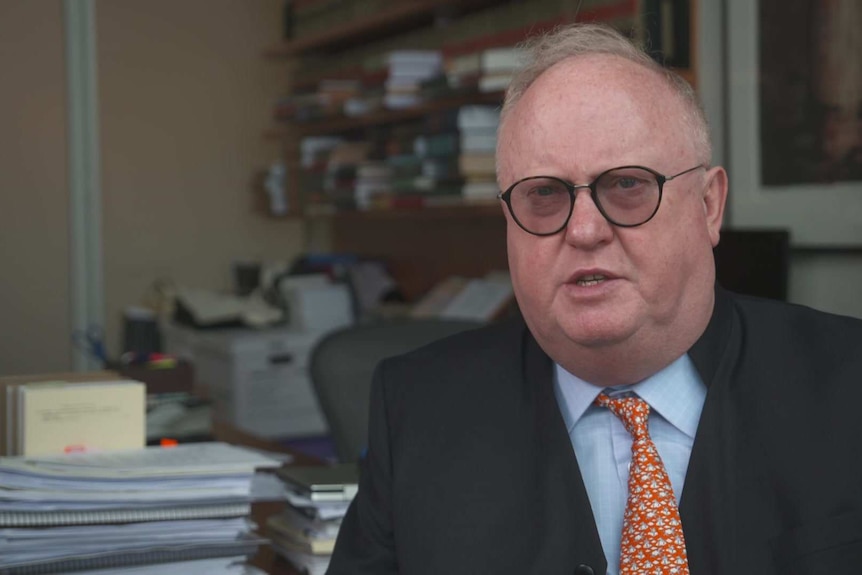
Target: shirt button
584,570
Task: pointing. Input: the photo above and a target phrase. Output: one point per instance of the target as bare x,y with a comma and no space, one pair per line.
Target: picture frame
818,214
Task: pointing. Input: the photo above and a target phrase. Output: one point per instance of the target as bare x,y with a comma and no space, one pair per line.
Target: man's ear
714,199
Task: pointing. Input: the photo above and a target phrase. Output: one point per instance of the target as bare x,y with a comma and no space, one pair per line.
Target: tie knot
632,411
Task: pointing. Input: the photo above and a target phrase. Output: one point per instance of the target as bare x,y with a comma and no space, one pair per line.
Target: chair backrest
342,365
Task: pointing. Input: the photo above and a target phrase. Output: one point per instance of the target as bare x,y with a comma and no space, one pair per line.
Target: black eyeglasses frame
661,179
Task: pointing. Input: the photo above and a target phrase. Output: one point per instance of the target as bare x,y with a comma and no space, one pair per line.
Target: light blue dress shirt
603,446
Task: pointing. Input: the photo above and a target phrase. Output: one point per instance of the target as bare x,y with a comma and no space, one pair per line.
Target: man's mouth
590,280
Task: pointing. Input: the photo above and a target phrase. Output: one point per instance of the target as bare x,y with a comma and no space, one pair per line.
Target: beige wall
34,289
185,96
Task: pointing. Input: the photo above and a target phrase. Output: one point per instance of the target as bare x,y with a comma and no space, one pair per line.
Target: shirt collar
676,392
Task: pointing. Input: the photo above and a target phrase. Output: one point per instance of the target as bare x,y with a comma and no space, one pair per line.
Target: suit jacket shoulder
773,481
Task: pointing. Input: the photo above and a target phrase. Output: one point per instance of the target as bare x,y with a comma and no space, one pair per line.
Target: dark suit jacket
470,468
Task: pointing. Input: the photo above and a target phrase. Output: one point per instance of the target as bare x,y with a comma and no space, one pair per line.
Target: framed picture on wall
795,118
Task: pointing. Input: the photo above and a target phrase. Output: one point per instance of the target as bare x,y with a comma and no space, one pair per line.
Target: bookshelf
422,245
400,16
383,118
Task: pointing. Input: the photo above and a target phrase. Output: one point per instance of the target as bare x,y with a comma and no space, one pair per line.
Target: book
478,117
9,388
492,60
436,300
477,164
494,82
309,521
286,533
478,140
322,483
480,190
502,59
58,417
304,562
481,299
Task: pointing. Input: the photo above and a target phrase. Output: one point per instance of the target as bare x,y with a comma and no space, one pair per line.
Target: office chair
342,365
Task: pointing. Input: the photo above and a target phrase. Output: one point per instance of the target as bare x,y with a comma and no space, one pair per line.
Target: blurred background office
177,96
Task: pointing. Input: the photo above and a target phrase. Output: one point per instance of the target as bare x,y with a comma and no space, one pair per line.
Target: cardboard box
258,380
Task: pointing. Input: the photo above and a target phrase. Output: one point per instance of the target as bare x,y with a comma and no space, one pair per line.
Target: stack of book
487,70
170,507
373,178
408,70
478,128
318,497
342,167
372,83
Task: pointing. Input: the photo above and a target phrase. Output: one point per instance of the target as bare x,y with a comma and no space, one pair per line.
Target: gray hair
545,50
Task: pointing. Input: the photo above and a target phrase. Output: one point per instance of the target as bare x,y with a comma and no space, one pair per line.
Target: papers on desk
154,505
26,545
189,460
217,566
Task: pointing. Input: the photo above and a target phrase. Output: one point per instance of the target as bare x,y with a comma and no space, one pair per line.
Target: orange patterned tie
652,541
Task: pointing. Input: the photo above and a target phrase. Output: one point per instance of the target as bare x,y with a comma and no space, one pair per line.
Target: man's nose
587,228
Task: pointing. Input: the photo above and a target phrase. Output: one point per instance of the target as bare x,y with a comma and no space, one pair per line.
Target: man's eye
544,191
624,183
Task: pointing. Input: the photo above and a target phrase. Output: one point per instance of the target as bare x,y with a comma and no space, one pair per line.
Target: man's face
583,116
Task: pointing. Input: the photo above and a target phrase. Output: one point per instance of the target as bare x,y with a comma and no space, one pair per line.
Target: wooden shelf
480,210
400,17
383,117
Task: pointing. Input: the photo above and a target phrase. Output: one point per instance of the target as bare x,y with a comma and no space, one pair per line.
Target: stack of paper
318,498
156,505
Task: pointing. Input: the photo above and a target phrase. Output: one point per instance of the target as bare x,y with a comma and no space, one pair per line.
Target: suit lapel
728,506
567,515
708,504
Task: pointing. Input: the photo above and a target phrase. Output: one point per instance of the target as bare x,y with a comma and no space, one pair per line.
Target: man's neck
638,357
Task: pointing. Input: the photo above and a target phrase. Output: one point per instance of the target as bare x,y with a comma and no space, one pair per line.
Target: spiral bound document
246,545
122,515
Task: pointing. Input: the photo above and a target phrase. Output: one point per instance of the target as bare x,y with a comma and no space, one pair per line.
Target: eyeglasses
628,196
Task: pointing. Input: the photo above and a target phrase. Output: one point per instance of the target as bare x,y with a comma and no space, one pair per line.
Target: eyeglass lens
627,196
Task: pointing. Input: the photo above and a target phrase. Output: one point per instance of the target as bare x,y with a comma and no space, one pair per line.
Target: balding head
544,51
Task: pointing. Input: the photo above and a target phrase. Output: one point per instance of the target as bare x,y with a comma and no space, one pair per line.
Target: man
504,450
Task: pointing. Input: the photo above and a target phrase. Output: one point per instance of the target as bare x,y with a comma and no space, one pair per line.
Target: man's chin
599,334
597,339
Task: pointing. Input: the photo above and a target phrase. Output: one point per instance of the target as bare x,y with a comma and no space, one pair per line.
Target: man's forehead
599,74
604,98
584,99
